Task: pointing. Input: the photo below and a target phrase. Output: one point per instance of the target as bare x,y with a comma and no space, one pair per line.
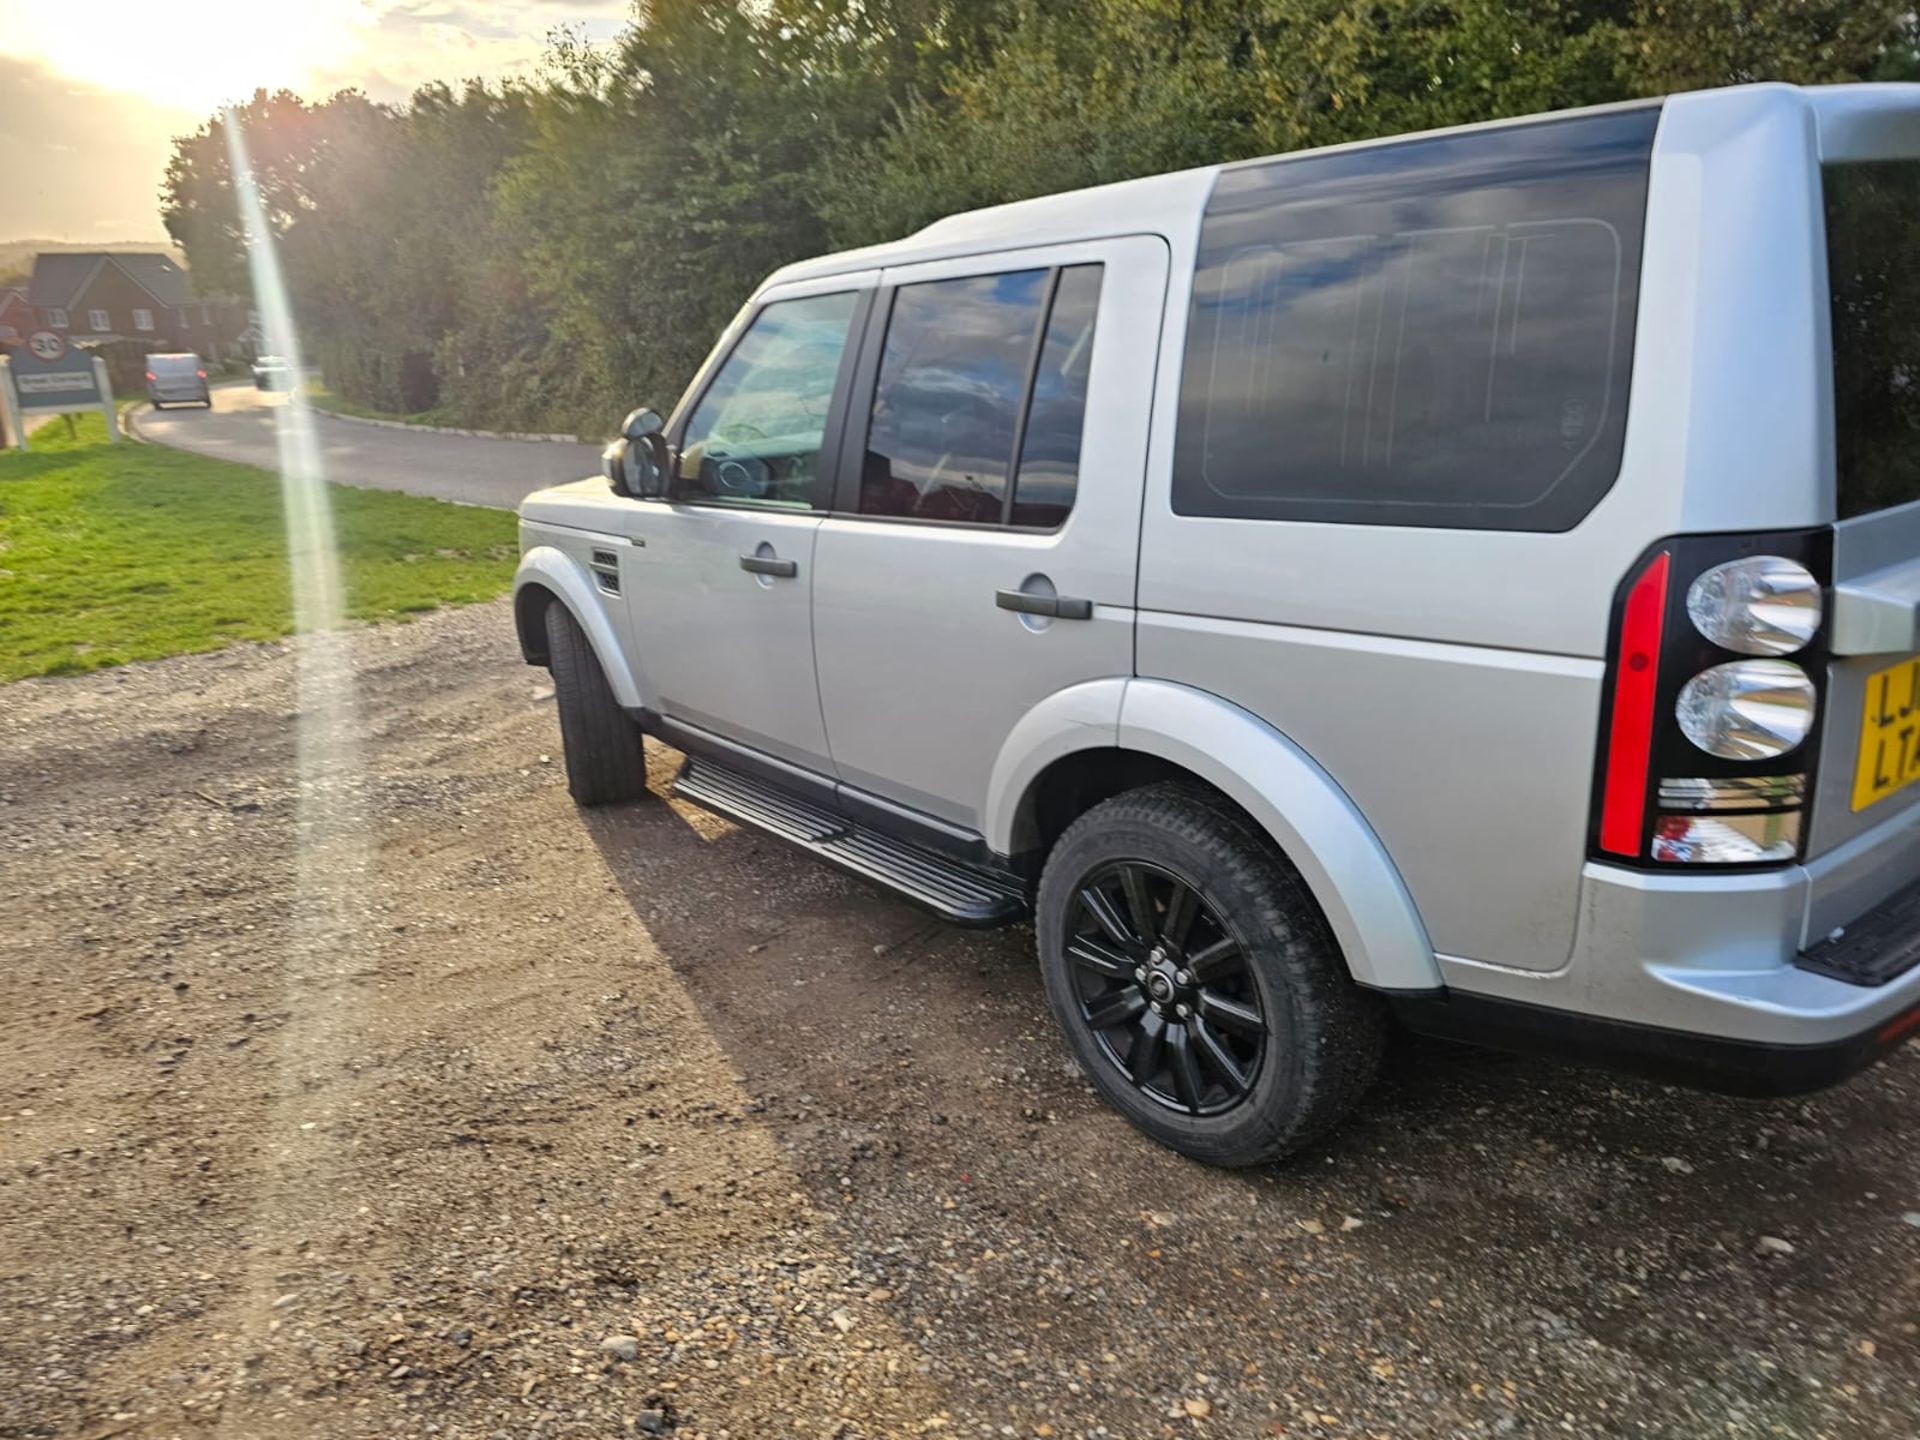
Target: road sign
64,380
47,345
70,380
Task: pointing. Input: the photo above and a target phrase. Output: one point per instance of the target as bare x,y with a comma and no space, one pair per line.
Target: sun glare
194,54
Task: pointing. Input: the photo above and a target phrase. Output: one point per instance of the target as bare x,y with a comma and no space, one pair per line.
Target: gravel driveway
499,1120
471,468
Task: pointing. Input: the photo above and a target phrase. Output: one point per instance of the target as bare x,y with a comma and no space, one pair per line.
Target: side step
960,894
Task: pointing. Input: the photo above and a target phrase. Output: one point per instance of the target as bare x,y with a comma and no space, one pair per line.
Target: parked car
1465,580
176,378
271,372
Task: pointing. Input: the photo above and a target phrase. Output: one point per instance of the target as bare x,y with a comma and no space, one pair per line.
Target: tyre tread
605,757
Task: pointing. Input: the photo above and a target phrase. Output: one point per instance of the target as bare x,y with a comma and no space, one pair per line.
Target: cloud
416,41
81,163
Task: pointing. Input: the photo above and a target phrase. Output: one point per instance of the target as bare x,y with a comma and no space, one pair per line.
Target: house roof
60,277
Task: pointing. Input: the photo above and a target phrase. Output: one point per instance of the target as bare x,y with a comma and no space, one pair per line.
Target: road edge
527,435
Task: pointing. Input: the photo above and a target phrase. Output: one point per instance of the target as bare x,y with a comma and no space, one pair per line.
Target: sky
92,91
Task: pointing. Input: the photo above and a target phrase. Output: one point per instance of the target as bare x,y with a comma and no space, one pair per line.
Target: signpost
51,376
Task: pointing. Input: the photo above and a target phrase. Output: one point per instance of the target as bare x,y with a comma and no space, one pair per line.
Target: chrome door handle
769,565
1057,607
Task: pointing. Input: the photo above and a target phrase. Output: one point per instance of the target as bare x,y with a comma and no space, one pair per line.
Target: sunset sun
199,55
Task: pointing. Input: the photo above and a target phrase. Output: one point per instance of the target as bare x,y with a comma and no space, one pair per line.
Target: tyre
1197,981
606,760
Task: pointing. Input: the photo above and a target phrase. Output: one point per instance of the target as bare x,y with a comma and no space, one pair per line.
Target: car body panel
922,675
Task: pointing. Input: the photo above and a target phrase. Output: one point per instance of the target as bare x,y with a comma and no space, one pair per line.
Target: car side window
754,437
1433,332
1049,469
981,398
948,398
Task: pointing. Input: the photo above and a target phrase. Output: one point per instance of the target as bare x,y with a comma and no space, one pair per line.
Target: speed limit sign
47,345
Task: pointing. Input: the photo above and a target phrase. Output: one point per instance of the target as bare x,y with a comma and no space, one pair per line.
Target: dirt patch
492,1118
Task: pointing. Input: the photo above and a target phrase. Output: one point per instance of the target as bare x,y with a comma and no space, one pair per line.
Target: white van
1470,579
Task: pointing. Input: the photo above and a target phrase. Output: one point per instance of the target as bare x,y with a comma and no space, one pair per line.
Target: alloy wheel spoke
1116,1009
1109,919
1096,955
1186,1071
1133,880
1214,961
1182,906
1149,1050
1215,1055
1242,1019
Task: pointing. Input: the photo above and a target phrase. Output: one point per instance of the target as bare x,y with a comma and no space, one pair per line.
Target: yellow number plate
1889,734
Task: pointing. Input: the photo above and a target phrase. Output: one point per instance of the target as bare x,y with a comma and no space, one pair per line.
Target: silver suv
1471,580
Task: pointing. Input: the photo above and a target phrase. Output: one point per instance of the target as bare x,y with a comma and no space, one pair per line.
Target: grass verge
112,553
320,397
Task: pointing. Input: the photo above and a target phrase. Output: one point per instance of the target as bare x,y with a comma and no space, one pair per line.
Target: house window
206,314
56,317
183,318
97,319
143,319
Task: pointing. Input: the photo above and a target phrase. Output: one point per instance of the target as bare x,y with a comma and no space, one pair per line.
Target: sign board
49,375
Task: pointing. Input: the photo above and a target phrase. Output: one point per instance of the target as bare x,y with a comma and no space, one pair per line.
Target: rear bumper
1731,981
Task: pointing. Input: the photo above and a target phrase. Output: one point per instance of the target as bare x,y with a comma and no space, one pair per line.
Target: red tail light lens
201,373
151,375
1623,813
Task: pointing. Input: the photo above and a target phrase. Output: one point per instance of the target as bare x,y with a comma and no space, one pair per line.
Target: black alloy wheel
1196,980
1163,983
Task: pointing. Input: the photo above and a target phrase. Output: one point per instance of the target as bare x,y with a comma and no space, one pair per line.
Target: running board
961,894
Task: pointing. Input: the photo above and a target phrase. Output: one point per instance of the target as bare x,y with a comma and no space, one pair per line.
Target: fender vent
606,571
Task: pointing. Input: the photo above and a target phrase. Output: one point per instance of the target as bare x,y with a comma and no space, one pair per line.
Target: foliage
544,256
127,552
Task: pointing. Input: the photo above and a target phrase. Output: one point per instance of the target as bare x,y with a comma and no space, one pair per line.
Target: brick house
98,298
16,317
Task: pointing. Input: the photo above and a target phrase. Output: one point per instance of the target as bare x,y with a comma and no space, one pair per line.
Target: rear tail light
1707,753
1760,605
1748,709
152,376
201,373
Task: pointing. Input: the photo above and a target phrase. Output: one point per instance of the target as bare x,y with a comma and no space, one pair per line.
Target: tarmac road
242,426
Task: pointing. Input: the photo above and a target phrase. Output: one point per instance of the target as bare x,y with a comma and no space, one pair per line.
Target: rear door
1869,769
721,574
982,550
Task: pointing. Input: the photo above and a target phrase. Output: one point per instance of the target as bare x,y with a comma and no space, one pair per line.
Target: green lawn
111,553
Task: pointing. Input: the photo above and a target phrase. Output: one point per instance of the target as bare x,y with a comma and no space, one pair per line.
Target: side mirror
638,463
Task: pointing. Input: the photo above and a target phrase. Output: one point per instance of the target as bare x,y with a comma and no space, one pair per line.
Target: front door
720,604
986,529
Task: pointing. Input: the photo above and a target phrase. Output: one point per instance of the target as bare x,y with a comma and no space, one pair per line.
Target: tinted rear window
948,397
1873,258
1437,332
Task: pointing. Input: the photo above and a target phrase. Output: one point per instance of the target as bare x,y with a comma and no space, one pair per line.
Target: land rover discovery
1471,579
